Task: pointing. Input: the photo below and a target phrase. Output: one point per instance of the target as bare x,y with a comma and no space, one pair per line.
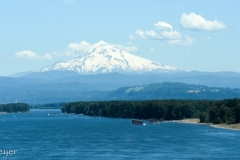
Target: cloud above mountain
161,31
72,50
76,49
163,26
164,31
126,48
184,41
28,54
197,22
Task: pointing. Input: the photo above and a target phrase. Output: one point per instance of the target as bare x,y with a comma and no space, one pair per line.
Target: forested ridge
73,91
14,107
209,111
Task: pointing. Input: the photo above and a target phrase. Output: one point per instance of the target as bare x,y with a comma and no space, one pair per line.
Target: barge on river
138,122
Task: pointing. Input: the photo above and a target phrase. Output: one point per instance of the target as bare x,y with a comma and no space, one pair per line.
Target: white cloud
74,49
141,34
149,34
131,37
131,49
164,31
185,41
171,35
163,26
28,54
162,35
126,48
197,22
82,46
47,56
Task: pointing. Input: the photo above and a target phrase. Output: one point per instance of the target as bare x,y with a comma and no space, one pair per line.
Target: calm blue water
37,136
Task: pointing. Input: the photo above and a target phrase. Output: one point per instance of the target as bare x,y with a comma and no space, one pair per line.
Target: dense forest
48,106
209,111
14,107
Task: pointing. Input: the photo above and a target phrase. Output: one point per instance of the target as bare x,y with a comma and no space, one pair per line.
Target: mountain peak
100,48
106,58
100,43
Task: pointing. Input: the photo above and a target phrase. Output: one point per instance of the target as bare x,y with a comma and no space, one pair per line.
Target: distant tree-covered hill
174,91
70,92
14,107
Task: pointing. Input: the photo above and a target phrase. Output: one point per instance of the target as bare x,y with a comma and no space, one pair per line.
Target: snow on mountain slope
106,58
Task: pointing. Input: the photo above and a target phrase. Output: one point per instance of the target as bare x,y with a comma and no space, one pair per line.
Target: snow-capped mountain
106,58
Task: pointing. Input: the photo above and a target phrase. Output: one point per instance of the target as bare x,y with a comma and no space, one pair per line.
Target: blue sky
198,35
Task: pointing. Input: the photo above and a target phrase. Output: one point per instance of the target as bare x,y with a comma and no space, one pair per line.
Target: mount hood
107,58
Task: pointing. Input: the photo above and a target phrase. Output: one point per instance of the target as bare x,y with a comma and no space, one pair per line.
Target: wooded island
14,107
209,111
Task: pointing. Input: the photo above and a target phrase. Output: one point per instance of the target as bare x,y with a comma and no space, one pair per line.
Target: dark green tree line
14,107
214,111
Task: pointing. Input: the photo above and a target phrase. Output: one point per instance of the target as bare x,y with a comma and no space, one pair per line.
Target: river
35,135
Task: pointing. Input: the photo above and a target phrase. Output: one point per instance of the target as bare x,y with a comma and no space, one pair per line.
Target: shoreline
227,126
222,126
12,112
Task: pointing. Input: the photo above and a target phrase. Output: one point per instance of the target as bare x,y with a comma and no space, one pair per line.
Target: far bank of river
12,112
3,112
197,121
